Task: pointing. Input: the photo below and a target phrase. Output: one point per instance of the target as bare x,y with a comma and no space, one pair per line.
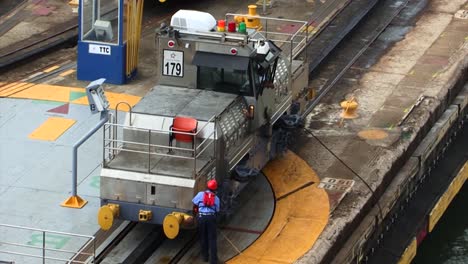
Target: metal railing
296,32
29,250
113,146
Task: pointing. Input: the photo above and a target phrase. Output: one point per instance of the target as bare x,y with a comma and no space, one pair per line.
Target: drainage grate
336,184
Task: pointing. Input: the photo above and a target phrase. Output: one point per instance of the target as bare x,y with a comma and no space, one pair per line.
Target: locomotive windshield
224,80
223,73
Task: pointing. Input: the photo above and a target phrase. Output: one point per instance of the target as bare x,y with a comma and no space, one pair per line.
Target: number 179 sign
173,63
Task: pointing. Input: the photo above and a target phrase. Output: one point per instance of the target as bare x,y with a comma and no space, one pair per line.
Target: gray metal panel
224,47
208,104
220,61
165,100
173,101
189,78
117,189
129,211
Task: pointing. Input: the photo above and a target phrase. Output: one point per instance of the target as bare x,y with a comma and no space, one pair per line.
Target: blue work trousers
207,230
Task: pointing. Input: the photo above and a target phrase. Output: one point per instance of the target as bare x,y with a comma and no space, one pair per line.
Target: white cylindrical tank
193,20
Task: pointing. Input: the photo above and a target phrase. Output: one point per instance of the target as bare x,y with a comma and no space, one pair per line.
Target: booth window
100,21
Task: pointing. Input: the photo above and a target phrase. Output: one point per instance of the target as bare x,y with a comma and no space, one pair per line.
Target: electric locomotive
228,92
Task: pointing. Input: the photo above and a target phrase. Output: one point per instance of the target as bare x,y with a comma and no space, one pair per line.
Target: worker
208,206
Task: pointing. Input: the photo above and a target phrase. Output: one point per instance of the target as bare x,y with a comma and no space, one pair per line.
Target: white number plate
173,63
99,49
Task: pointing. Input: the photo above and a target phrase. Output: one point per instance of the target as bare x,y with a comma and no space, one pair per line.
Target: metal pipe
45,230
43,247
51,249
232,37
149,151
104,119
39,256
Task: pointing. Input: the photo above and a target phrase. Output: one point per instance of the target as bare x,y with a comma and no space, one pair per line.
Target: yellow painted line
114,99
45,92
299,217
65,73
410,253
15,88
9,85
53,68
52,128
445,200
62,94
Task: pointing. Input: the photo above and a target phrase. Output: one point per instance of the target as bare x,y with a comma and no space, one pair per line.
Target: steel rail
114,242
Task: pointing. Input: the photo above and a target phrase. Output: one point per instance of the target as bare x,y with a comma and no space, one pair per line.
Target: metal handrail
152,153
110,144
90,240
50,249
303,28
129,112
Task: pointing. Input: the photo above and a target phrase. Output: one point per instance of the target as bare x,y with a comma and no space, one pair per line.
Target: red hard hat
212,185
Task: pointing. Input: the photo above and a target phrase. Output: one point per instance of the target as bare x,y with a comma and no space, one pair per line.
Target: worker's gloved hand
195,210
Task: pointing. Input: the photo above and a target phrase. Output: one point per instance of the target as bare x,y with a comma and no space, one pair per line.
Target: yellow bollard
172,223
250,19
106,215
349,109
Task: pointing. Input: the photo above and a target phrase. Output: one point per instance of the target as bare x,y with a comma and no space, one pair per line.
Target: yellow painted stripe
45,92
293,175
62,94
52,128
53,68
410,253
445,200
65,73
299,217
114,99
9,85
14,89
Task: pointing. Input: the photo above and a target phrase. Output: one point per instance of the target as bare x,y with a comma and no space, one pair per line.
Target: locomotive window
153,190
224,80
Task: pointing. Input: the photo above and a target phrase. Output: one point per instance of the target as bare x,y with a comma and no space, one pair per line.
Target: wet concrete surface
384,92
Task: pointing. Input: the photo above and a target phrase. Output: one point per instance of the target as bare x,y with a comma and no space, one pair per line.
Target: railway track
147,244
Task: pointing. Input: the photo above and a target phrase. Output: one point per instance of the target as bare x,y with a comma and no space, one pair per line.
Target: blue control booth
108,33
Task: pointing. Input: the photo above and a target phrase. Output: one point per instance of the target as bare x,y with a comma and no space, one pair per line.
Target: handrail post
195,153
43,247
215,136
94,250
149,151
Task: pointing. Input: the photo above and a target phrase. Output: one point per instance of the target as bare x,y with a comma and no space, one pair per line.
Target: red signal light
170,43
